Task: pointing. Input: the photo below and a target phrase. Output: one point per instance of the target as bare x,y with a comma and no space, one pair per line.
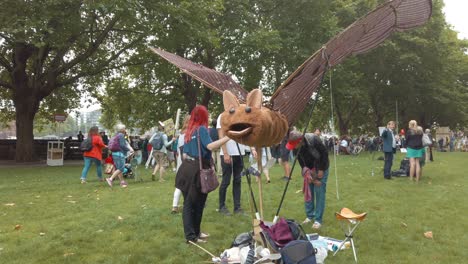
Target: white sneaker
306,221
316,225
204,235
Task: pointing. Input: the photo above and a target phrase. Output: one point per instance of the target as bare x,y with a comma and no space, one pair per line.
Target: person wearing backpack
92,147
313,159
119,147
159,142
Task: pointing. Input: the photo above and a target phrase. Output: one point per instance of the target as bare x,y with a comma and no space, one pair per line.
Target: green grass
80,222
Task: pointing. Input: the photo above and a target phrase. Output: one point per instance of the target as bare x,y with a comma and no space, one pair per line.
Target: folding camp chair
349,223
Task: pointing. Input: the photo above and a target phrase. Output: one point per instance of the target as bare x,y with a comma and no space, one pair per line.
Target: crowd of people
418,145
197,142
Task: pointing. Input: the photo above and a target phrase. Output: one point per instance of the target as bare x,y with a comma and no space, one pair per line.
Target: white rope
334,143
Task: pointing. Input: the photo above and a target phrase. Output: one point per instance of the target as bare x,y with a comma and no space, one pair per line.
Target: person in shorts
160,155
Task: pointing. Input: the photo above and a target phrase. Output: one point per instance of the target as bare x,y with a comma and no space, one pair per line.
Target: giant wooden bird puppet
248,121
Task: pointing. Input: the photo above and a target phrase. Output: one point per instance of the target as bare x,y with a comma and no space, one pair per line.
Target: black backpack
405,166
87,144
298,252
404,169
157,141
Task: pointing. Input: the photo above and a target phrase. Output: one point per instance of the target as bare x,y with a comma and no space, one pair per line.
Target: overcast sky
456,14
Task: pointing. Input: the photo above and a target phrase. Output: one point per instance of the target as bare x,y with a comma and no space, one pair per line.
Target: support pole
260,186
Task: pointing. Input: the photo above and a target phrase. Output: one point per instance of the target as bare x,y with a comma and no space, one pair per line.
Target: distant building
89,119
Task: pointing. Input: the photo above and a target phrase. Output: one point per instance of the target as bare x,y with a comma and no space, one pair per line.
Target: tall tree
51,48
420,70
189,29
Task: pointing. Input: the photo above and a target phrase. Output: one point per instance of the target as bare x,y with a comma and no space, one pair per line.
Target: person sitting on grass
344,146
94,155
119,155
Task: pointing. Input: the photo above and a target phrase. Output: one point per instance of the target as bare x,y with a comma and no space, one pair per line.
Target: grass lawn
63,221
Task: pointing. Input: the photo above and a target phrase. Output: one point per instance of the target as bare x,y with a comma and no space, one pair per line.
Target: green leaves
100,48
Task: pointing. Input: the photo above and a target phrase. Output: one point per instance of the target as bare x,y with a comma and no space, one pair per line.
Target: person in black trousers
389,147
188,175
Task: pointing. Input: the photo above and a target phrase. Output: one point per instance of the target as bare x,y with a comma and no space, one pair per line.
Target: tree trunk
26,100
26,109
342,124
206,97
189,92
379,120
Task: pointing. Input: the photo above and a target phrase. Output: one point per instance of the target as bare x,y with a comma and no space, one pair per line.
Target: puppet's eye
232,110
248,109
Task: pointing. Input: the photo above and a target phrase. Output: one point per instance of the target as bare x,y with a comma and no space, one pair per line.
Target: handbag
208,180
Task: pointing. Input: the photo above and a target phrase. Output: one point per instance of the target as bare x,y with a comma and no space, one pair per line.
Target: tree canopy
52,52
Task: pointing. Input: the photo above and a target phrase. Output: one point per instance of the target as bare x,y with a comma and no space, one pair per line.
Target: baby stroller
131,166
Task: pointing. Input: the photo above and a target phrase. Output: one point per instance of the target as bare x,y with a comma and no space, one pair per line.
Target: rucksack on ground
296,230
298,252
87,144
114,144
278,235
405,166
157,141
404,169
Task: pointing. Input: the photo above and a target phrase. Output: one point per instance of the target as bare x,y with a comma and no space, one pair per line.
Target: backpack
114,144
242,240
405,166
87,144
281,233
298,252
157,141
296,230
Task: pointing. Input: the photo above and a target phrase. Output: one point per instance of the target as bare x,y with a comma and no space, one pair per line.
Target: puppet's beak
241,133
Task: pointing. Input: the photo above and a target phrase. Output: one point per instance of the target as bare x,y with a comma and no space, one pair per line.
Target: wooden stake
260,189
195,244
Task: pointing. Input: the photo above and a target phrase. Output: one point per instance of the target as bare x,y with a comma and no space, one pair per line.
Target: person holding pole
313,159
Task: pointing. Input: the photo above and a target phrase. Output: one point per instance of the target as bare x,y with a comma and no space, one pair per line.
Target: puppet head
250,123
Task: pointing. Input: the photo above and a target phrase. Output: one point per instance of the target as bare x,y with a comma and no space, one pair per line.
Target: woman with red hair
188,175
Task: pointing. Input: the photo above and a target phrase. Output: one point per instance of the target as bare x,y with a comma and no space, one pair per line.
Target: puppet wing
366,33
212,79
